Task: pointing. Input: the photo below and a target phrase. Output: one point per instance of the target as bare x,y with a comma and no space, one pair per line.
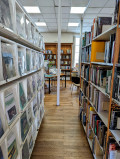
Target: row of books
68,51
86,40
86,54
109,49
85,87
97,125
18,60
25,130
99,100
65,67
101,77
16,98
14,18
85,72
94,127
48,51
66,62
100,25
66,57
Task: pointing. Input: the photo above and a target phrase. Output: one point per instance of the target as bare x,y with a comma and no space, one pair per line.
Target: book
20,22
25,151
22,96
35,108
5,13
28,60
21,62
30,143
10,105
24,126
1,154
114,121
29,89
12,146
33,84
1,128
29,115
8,61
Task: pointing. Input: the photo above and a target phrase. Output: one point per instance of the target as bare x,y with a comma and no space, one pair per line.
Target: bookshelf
66,56
21,82
99,95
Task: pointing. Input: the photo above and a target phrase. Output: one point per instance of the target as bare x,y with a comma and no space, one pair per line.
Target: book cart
21,81
99,97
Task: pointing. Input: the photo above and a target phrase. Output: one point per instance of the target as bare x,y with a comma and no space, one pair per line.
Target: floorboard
61,135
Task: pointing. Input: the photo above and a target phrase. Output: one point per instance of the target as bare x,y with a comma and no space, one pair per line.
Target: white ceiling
49,13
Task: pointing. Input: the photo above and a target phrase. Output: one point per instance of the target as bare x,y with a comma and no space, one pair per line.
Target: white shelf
103,91
116,134
102,64
106,35
85,63
86,46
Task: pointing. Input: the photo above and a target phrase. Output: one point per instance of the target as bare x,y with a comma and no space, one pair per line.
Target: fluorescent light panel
73,24
77,10
40,23
32,9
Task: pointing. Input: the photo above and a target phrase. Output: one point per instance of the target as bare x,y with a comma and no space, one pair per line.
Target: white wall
53,37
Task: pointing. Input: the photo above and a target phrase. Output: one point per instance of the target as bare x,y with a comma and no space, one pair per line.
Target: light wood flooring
61,135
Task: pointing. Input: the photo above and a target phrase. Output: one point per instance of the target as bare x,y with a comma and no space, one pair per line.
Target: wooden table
50,76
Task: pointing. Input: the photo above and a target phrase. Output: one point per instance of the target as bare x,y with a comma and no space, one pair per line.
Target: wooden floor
61,135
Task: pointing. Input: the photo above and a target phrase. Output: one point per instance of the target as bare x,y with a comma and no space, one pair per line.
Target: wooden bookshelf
66,56
104,116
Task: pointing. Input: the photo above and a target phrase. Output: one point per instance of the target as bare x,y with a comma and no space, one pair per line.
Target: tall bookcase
99,102
66,56
21,82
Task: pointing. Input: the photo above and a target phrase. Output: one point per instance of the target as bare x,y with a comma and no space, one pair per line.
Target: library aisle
61,135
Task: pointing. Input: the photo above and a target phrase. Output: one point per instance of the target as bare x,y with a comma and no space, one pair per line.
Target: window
77,47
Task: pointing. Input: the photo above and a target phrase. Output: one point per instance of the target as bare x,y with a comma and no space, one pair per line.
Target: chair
75,82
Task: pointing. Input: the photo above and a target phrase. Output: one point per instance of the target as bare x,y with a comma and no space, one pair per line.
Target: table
50,76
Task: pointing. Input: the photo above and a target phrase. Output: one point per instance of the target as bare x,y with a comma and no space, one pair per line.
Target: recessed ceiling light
32,9
78,10
73,24
40,23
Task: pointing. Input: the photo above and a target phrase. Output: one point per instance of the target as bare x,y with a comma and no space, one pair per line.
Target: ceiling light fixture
40,23
32,9
77,10
73,24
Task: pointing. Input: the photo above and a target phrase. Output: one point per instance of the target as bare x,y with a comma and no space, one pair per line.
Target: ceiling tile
64,16
91,16
97,3
50,10
77,16
107,11
64,24
51,24
52,27
93,10
79,3
25,3
45,3
50,20
87,20
65,20
87,24
74,20
64,3
110,3
49,16
65,10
